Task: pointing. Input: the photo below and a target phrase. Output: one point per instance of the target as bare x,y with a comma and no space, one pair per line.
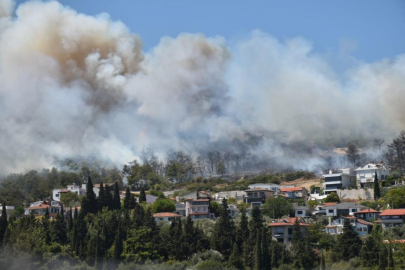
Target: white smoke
76,85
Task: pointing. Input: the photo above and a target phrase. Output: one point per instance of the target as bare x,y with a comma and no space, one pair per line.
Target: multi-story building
365,175
294,193
282,230
237,194
198,208
335,181
360,226
392,218
343,209
39,208
257,196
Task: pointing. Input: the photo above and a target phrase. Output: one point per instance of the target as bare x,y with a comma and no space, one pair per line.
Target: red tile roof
290,189
41,206
364,222
64,191
286,224
331,226
328,204
166,214
393,212
367,211
198,200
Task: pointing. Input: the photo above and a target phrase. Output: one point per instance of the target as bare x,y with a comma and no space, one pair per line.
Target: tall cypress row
377,191
116,198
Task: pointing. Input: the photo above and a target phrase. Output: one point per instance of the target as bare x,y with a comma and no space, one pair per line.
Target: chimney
330,171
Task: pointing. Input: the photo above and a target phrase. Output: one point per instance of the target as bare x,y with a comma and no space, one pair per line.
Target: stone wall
356,194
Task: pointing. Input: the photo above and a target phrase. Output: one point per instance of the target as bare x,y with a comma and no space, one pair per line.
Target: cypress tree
370,252
235,258
298,246
101,197
108,197
258,254
383,259
79,235
3,223
126,198
116,198
60,228
89,203
46,225
132,202
377,191
70,224
142,195
138,216
223,236
266,263
323,264
391,264
349,242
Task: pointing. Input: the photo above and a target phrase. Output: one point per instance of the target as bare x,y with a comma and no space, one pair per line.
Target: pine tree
89,203
101,201
349,242
116,197
3,223
142,195
377,191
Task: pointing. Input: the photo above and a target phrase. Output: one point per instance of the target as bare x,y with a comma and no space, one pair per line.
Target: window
255,194
199,209
193,209
57,195
354,210
299,212
279,230
330,211
204,208
290,230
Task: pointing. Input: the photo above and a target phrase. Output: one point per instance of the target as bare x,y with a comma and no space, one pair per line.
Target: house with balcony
320,209
335,181
79,190
237,194
361,227
198,208
193,195
39,208
181,209
343,209
282,230
257,196
365,175
168,217
269,186
368,214
392,218
294,193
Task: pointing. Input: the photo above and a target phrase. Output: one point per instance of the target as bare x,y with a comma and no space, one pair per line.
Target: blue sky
373,29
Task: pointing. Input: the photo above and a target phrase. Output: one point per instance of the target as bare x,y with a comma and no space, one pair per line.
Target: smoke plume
76,85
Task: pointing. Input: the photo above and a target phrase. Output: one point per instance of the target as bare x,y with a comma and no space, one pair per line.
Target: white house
360,226
57,193
237,194
302,211
365,175
169,217
343,209
335,181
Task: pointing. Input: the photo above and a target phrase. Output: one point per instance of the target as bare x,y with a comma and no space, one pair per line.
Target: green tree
116,197
163,205
349,242
59,230
101,197
235,260
223,235
89,203
370,252
276,207
258,253
382,259
377,191
118,242
142,195
332,197
395,197
3,223
70,199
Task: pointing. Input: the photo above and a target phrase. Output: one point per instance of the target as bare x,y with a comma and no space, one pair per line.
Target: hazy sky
369,29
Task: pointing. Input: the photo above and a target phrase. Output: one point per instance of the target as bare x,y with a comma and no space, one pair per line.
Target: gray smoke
76,85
